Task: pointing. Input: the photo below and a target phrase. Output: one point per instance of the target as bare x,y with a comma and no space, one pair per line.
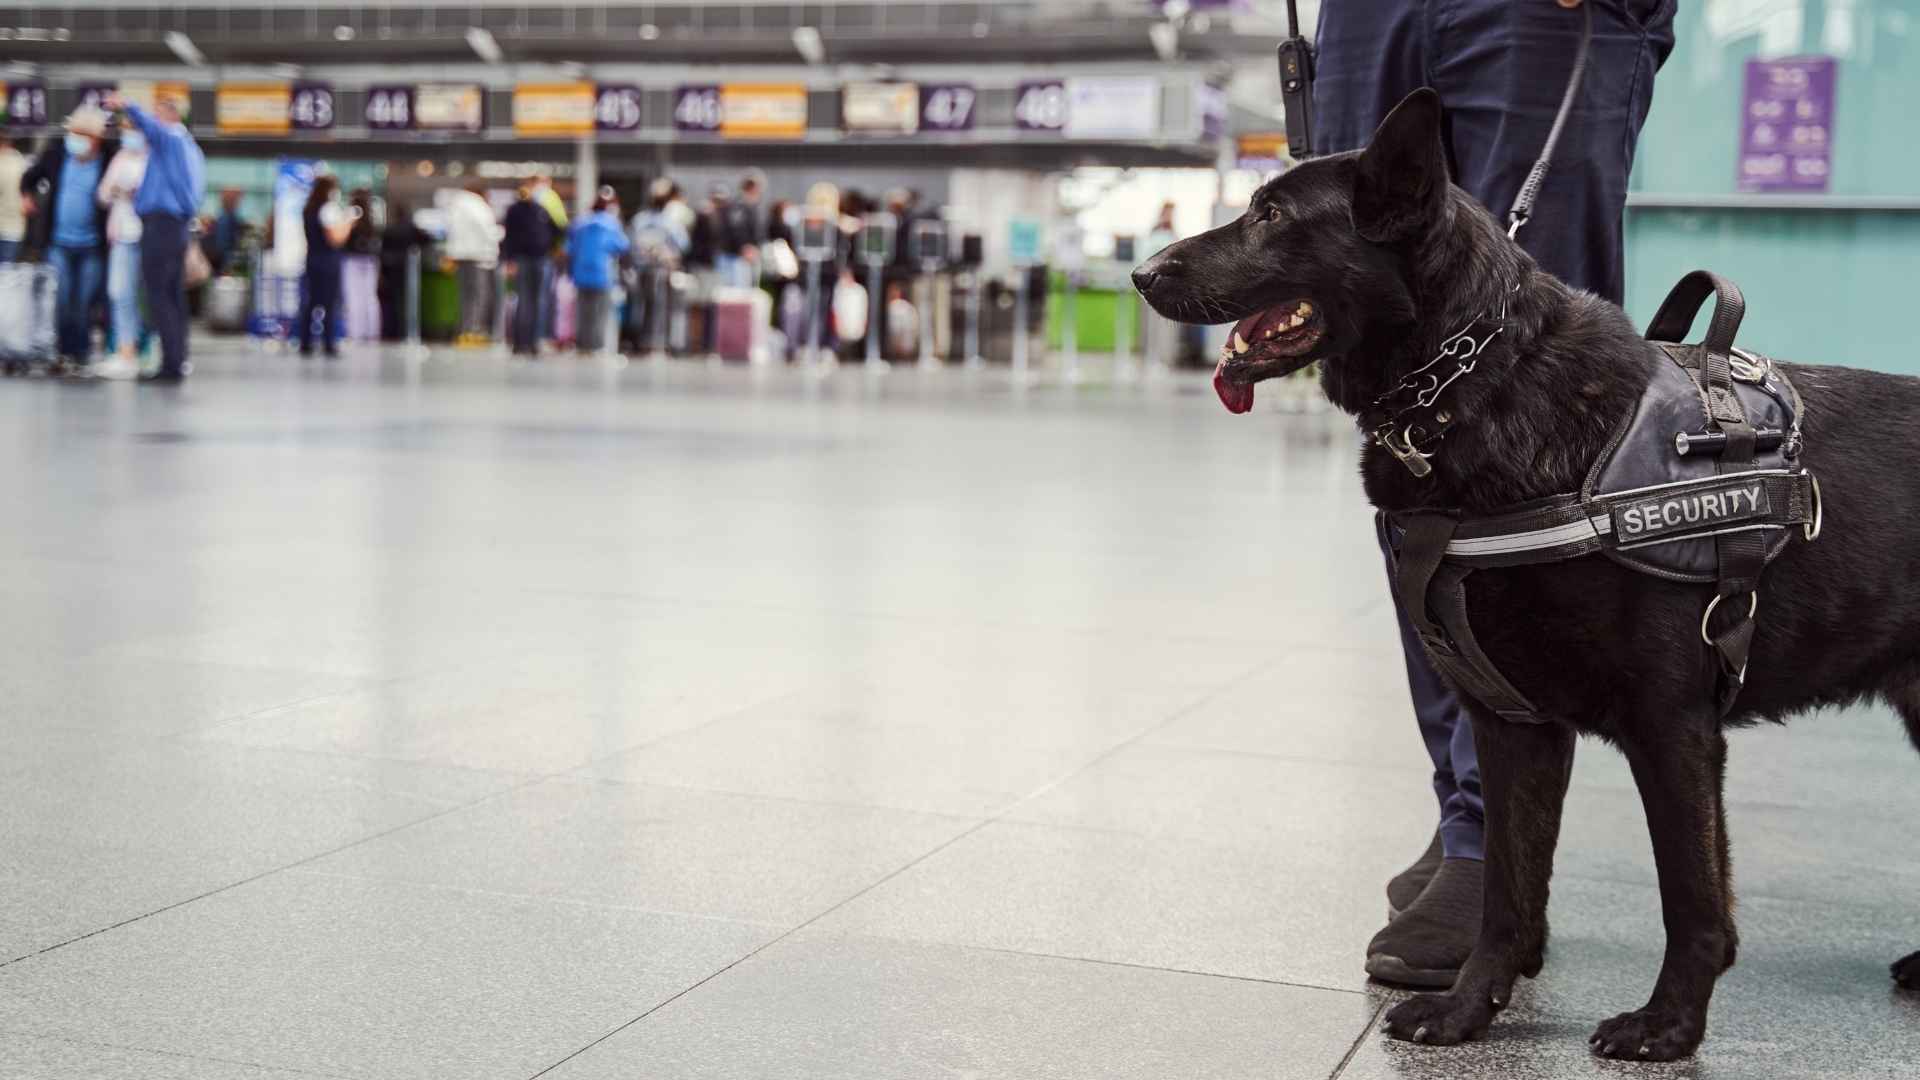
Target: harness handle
1675,318
1678,310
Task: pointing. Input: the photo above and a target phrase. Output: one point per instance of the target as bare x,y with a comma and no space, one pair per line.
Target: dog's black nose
1144,278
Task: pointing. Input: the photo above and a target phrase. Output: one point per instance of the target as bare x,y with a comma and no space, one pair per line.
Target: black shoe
164,378
1426,945
1408,884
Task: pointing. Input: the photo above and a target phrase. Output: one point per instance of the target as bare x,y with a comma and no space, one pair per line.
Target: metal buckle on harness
1406,453
1811,530
1753,606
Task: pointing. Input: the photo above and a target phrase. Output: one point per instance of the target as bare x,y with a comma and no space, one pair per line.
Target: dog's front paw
1906,971
1439,1019
1648,1035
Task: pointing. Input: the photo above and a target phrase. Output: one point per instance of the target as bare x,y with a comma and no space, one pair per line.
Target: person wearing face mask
116,192
70,226
169,196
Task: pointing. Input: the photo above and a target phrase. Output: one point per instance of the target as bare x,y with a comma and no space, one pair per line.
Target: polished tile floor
464,720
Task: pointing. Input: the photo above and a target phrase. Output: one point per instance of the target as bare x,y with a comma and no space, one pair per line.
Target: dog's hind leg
1677,767
1524,769
1724,854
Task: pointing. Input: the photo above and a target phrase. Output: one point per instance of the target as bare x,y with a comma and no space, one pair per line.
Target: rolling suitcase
27,332
742,317
227,304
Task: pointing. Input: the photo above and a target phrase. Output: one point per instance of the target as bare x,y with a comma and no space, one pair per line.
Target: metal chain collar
1412,444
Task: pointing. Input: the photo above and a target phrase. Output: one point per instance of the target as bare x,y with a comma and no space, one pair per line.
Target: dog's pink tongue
1237,397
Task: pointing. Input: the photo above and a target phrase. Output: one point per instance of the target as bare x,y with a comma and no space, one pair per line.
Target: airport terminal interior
806,617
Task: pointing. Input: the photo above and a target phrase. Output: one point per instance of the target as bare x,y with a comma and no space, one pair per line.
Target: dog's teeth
1305,309
1269,334
1293,321
1239,343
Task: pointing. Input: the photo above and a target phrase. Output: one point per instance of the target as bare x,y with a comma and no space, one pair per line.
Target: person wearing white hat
70,226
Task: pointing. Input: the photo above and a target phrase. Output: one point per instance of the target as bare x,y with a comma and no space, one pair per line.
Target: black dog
1366,261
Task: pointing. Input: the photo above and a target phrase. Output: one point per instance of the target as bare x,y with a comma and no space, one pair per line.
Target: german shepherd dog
1365,262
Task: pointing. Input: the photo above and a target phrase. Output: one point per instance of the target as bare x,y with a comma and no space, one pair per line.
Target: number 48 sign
1041,106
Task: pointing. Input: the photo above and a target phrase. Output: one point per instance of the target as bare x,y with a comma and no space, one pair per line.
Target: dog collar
1406,420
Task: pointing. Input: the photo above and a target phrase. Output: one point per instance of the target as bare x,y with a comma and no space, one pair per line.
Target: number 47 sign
946,107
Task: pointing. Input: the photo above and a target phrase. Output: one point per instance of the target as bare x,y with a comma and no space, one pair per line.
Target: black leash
1296,94
1523,202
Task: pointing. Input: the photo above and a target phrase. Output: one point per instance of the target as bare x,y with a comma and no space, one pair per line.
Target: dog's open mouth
1267,344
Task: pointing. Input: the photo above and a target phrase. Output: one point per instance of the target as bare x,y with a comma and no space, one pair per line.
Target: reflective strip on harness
1568,526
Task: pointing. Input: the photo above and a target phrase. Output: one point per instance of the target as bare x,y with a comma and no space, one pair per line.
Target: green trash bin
439,305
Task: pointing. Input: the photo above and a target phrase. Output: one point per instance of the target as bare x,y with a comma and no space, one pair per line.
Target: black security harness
1701,484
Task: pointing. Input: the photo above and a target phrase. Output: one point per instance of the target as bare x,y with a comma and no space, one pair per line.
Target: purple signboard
311,107
946,106
92,94
1786,125
1041,106
616,107
697,109
25,104
390,108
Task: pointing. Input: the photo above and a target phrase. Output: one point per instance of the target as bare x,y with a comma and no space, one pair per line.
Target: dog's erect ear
1401,182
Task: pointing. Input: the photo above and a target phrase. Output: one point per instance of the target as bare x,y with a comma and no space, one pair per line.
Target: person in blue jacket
593,245
169,197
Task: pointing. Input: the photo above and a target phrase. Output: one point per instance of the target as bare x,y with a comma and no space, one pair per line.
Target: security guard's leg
1500,68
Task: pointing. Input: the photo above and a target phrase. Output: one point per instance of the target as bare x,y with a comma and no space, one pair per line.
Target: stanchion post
976,284
876,314
414,345
1020,329
1069,329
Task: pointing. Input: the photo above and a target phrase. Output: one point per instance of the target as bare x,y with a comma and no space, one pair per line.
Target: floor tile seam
1038,954
1366,1030
504,775
157,1052
1179,712
369,838
702,725
932,616
881,881
575,776
539,898
757,950
1830,900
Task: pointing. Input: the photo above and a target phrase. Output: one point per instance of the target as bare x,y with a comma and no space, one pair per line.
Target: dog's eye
1273,213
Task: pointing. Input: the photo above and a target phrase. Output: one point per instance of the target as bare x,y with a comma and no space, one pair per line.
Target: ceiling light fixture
806,40
483,45
184,48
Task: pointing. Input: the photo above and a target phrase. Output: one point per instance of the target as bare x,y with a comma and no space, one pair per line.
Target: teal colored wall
254,177
1826,285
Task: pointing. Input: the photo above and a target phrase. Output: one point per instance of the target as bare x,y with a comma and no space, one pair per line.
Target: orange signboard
253,108
553,109
763,110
